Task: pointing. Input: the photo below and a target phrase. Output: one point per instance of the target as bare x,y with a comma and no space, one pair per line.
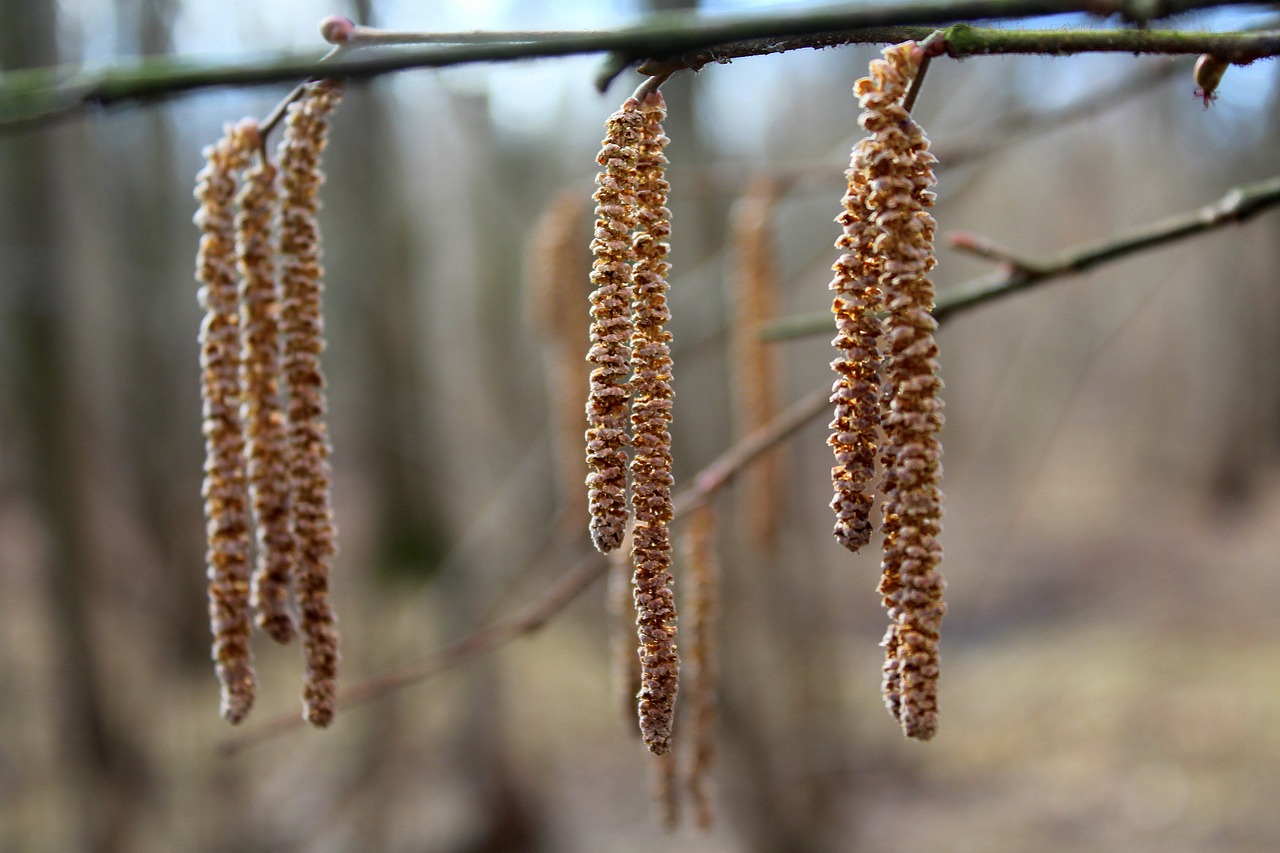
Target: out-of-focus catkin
702,708
651,440
754,286
557,261
262,410
304,141
899,177
226,496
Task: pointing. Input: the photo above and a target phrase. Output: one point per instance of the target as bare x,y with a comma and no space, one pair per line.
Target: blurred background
1113,518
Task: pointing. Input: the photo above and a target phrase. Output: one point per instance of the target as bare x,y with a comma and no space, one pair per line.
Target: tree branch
41,95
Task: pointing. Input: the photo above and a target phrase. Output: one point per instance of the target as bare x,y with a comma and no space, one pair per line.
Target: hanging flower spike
262,409
304,141
899,174
856,392
555,280
226,498
650,420
611,328
754,370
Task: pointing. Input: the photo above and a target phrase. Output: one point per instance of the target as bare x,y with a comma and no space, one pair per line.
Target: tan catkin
701,707
610,392
899,175
556,293
754,288
856,392
226,496
304,141
651,440
262,408
666,789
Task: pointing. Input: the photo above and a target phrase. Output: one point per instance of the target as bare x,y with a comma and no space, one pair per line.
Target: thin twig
987,249
1238,205
1000,133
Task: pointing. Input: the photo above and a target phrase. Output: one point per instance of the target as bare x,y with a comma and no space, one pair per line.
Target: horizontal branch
1240,48
1238,205
40,95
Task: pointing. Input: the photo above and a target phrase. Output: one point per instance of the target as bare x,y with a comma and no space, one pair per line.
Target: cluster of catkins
266,487
630,394
886,395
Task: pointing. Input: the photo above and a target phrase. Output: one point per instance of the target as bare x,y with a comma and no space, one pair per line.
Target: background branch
1238,205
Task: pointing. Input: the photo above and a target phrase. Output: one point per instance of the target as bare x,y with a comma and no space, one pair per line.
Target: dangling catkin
611,328
754,280
650,419
856,392
899,176
309,448
226,497
263,413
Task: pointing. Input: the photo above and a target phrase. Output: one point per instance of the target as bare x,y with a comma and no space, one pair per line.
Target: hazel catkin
305,137
610,391
650,422
262,410
225,491
899,177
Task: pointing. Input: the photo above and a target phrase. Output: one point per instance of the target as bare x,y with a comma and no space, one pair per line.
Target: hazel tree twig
39,95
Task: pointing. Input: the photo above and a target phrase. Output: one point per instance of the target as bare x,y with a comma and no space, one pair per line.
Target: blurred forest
1112,442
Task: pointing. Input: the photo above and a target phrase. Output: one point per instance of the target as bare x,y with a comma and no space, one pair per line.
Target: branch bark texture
679,40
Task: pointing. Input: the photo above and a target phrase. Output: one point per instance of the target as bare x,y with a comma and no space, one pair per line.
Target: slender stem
1238,205
362,36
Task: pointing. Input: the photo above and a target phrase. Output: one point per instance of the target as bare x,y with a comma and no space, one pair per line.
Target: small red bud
336,29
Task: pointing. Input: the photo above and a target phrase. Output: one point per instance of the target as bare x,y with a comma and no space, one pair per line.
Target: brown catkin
856,391
899,176
226,497
610,351
701,659
262,409
309,448
650,421
754,280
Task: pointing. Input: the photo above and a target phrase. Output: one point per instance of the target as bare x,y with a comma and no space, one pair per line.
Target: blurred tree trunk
101,768
160,484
